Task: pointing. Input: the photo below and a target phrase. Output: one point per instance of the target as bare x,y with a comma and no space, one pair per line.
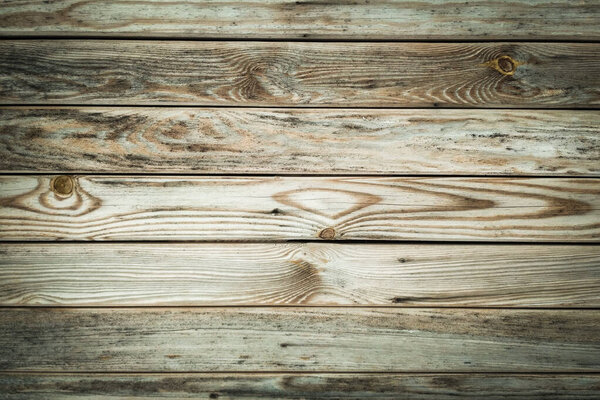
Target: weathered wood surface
299,274
35,386
283,208
300,74
379,20
323,141
298,339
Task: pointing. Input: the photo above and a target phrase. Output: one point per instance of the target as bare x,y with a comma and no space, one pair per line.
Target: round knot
506,64
327,234
62,185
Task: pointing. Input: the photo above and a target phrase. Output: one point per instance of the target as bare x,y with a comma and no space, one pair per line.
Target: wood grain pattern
298,339
285,208
380,19
299,274
300,74
35,386
367,141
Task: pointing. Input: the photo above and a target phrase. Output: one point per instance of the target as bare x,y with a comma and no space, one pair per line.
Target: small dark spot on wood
214,396
402,260
173,356
276,211
283,345
401,299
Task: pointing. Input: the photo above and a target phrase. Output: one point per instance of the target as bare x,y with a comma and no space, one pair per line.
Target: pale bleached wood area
278,19
50,386
317,141
298,339
540,75
372,199
313,274
298,208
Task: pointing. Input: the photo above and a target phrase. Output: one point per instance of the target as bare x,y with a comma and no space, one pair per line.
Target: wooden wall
372,199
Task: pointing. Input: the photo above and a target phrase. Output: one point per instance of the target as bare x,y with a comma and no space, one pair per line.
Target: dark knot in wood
62,185
506,65
327,234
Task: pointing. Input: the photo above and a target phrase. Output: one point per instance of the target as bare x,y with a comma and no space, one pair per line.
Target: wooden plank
99,72
283,208
299,274
318,141
277,19
298,339
35,386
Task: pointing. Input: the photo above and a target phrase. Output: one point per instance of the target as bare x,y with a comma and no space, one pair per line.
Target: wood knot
327,234
506,65
62,185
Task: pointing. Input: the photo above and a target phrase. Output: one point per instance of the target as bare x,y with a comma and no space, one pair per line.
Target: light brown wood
285,208
298,339
35,386
375,19
299,274
300,74
367,141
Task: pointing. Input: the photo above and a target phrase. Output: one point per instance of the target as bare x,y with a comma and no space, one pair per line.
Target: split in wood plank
284,208
35,386
299,274
96,72
298,339
278,19
319,141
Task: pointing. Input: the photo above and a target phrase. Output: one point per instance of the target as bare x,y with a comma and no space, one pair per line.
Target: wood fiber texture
355,199
36,386
298,339
105,72
315,274
276,19
298,208
284,141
